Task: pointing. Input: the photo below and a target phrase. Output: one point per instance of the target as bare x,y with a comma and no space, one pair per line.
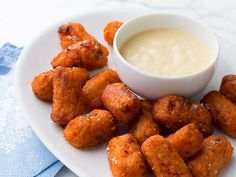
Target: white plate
36,58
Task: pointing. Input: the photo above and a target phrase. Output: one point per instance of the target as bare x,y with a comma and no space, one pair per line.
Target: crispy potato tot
121,102
125,157
72,33
216,152
90,129
163,158
67,99
223,112
187,141
145,126
110,30
228,87
88,54
175,111
92,90
42,86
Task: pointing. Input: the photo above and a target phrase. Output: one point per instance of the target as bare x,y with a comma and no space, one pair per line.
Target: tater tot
223,112
42,86
216,152
228,87
67,99
110,30
90,129
93,88
175,111
163,158
187,141
87,54
145,126
125,157
72,33
121,102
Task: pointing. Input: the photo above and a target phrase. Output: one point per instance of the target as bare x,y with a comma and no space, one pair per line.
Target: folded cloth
21,152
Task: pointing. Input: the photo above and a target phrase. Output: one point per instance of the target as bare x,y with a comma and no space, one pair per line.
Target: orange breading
42,85
110,30
223,112
67,88
187,141
93,88
90,129
88,54
72,33
121,102
125,157
175,111
216,152
163,158
145,126
228,87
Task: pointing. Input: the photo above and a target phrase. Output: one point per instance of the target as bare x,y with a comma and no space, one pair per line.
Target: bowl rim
157,76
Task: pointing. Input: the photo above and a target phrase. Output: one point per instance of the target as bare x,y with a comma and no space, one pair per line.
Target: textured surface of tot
163,158
223,112
121,102
216,152
67,100
228,87
176,111
125,157
90,129
42,85
110,30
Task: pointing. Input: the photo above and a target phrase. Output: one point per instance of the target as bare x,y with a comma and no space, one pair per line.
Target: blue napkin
21,152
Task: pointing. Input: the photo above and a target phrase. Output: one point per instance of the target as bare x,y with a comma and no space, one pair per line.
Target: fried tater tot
72,33
90,129
216,152
228,87
93,88
67,99
145,126
223,112
125,157
175,111
88,54
110,30
121,102
187,141
163,158
42,86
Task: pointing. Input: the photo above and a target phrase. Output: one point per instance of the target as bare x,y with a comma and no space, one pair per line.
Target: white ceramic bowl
153,86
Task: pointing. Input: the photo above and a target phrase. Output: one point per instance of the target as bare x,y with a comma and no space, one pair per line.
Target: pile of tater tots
169,137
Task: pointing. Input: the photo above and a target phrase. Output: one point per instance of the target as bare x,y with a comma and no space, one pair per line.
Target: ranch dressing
166,52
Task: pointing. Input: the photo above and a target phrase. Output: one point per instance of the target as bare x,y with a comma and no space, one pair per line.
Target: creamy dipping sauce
167,52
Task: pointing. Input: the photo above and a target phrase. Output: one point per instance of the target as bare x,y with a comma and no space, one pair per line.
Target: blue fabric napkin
21,152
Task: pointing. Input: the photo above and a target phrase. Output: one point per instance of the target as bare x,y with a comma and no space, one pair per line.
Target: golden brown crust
223,112
163,158
72,33
125,157
67,88
92,90
216,152
145,126
228,87
42,86
187,141
175,111
110,30
90,129
88,54
121,102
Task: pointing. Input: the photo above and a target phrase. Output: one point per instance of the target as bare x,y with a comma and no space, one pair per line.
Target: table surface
21,20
